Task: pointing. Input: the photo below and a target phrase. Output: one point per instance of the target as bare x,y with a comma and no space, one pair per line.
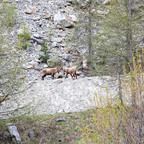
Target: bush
24,37
117,123
46,52
44,58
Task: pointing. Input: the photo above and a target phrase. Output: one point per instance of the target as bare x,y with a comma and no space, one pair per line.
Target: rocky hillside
52,21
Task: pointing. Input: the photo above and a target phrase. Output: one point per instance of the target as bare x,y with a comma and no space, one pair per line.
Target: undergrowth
46,129
24,37
8,15
116,123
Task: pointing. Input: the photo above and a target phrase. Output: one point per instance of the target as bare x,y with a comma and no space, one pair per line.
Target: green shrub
24,37
44,58
46,52
114,123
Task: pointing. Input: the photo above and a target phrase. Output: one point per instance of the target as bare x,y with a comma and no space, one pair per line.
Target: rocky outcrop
59,95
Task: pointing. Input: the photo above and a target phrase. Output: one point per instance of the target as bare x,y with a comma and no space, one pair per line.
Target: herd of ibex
53,71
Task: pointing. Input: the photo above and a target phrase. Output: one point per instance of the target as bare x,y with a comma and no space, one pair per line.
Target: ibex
50,71
71,71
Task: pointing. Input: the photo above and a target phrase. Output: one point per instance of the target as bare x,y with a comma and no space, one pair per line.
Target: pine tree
109,34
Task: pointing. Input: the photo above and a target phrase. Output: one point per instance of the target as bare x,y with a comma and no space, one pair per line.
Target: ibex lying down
50,71
71,71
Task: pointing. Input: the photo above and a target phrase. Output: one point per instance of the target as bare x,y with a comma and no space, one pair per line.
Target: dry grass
47,129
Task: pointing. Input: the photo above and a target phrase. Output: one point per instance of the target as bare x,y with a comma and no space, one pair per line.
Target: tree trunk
90,31
119,79
130,36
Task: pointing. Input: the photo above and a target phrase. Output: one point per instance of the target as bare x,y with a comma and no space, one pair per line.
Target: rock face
53,96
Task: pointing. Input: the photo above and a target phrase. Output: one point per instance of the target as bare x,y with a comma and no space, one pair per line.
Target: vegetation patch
24,37
120,120
7,15
11,59
46,128
46,52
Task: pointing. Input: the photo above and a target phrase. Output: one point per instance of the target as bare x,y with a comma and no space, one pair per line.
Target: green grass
8,15
46,129
24,38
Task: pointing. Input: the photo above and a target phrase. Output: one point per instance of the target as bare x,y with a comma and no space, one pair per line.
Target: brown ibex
71,71
50,71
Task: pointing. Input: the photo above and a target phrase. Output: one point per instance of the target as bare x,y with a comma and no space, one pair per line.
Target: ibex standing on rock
50,71
71,71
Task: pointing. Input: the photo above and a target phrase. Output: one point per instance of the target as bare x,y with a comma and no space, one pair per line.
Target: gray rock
89,78
27,66
57,81
45,66
31,134
58,18
54,44
36,35
60,119
33,63
106,2
66,57
61,19
73,18
67,24
30,10
83,4
37,18
63,44
37,60
14,132
56,39
40,42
